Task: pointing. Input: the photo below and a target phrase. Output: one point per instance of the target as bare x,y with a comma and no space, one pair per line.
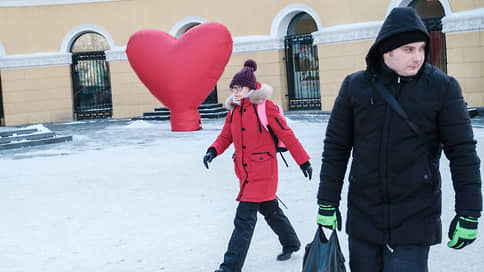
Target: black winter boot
286,254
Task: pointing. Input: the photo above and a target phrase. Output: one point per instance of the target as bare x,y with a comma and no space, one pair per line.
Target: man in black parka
394,197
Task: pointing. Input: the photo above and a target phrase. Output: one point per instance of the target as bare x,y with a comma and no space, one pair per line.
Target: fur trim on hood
255,96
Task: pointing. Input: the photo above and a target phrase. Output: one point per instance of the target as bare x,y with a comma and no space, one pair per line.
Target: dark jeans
245,220
365,257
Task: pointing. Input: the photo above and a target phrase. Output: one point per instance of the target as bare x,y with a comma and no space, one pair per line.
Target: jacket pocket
261,166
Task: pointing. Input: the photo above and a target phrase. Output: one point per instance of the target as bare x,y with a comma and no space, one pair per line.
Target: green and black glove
329,217
462,231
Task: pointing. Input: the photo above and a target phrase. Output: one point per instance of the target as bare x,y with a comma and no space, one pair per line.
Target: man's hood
401,19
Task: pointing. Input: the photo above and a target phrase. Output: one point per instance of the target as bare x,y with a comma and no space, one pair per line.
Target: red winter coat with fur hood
255,158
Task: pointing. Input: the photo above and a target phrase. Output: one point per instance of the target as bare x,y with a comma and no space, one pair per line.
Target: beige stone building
63,60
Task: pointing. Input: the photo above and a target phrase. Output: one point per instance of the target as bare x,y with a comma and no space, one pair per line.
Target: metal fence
302,67
91,85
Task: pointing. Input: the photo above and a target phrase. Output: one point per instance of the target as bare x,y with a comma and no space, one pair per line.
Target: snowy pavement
134,196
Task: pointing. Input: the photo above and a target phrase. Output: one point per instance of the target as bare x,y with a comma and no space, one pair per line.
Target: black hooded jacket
394,192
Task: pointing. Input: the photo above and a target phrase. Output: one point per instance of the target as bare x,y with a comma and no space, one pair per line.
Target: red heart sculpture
181,72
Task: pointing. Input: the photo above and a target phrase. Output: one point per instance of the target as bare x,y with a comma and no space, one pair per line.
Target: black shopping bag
323,255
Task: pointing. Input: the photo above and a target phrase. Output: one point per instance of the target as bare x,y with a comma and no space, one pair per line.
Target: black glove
211,153
307,169
462,231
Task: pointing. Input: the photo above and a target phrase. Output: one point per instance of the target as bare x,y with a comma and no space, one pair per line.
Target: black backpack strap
399,110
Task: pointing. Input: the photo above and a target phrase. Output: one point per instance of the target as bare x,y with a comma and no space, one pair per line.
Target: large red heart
181,72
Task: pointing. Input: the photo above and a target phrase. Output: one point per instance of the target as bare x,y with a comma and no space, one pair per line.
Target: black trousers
245,220
366,256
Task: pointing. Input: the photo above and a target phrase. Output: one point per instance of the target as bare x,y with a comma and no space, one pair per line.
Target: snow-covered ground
134,196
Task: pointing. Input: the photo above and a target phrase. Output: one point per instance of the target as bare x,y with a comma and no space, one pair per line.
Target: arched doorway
302,64
431,11
91,80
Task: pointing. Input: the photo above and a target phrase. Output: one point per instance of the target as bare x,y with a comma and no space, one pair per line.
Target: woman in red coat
255,164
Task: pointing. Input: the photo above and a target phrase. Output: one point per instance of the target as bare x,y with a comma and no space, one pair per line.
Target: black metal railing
302,67
91,85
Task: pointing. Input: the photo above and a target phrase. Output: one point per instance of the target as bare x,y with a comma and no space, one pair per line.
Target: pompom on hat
246,77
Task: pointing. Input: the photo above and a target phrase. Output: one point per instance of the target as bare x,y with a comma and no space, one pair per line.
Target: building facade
63,60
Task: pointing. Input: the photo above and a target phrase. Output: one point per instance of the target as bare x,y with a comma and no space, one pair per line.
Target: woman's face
240,91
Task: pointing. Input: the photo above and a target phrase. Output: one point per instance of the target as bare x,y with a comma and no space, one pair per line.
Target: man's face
407,59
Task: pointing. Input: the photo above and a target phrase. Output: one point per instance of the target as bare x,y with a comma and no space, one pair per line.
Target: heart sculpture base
185,120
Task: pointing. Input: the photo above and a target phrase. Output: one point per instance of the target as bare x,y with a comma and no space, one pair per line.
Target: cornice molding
257,44
28,3
347,33
464,21
117,54
35,60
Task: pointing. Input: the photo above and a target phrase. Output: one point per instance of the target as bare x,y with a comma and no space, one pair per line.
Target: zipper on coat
384,177
241,193
384,159
390,248
279,122
398,88
384,172
242,157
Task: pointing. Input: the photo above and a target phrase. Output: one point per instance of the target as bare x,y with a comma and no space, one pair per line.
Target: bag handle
322,236
399,110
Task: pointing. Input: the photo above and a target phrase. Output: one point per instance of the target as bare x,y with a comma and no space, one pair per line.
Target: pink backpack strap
261,112
281,112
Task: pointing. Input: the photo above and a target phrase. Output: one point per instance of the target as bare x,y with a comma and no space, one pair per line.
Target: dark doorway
91,81
432,12
212,97
302,64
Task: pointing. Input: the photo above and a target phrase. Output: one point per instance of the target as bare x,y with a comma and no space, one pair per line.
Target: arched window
302,64
91,80
89,42
302,24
